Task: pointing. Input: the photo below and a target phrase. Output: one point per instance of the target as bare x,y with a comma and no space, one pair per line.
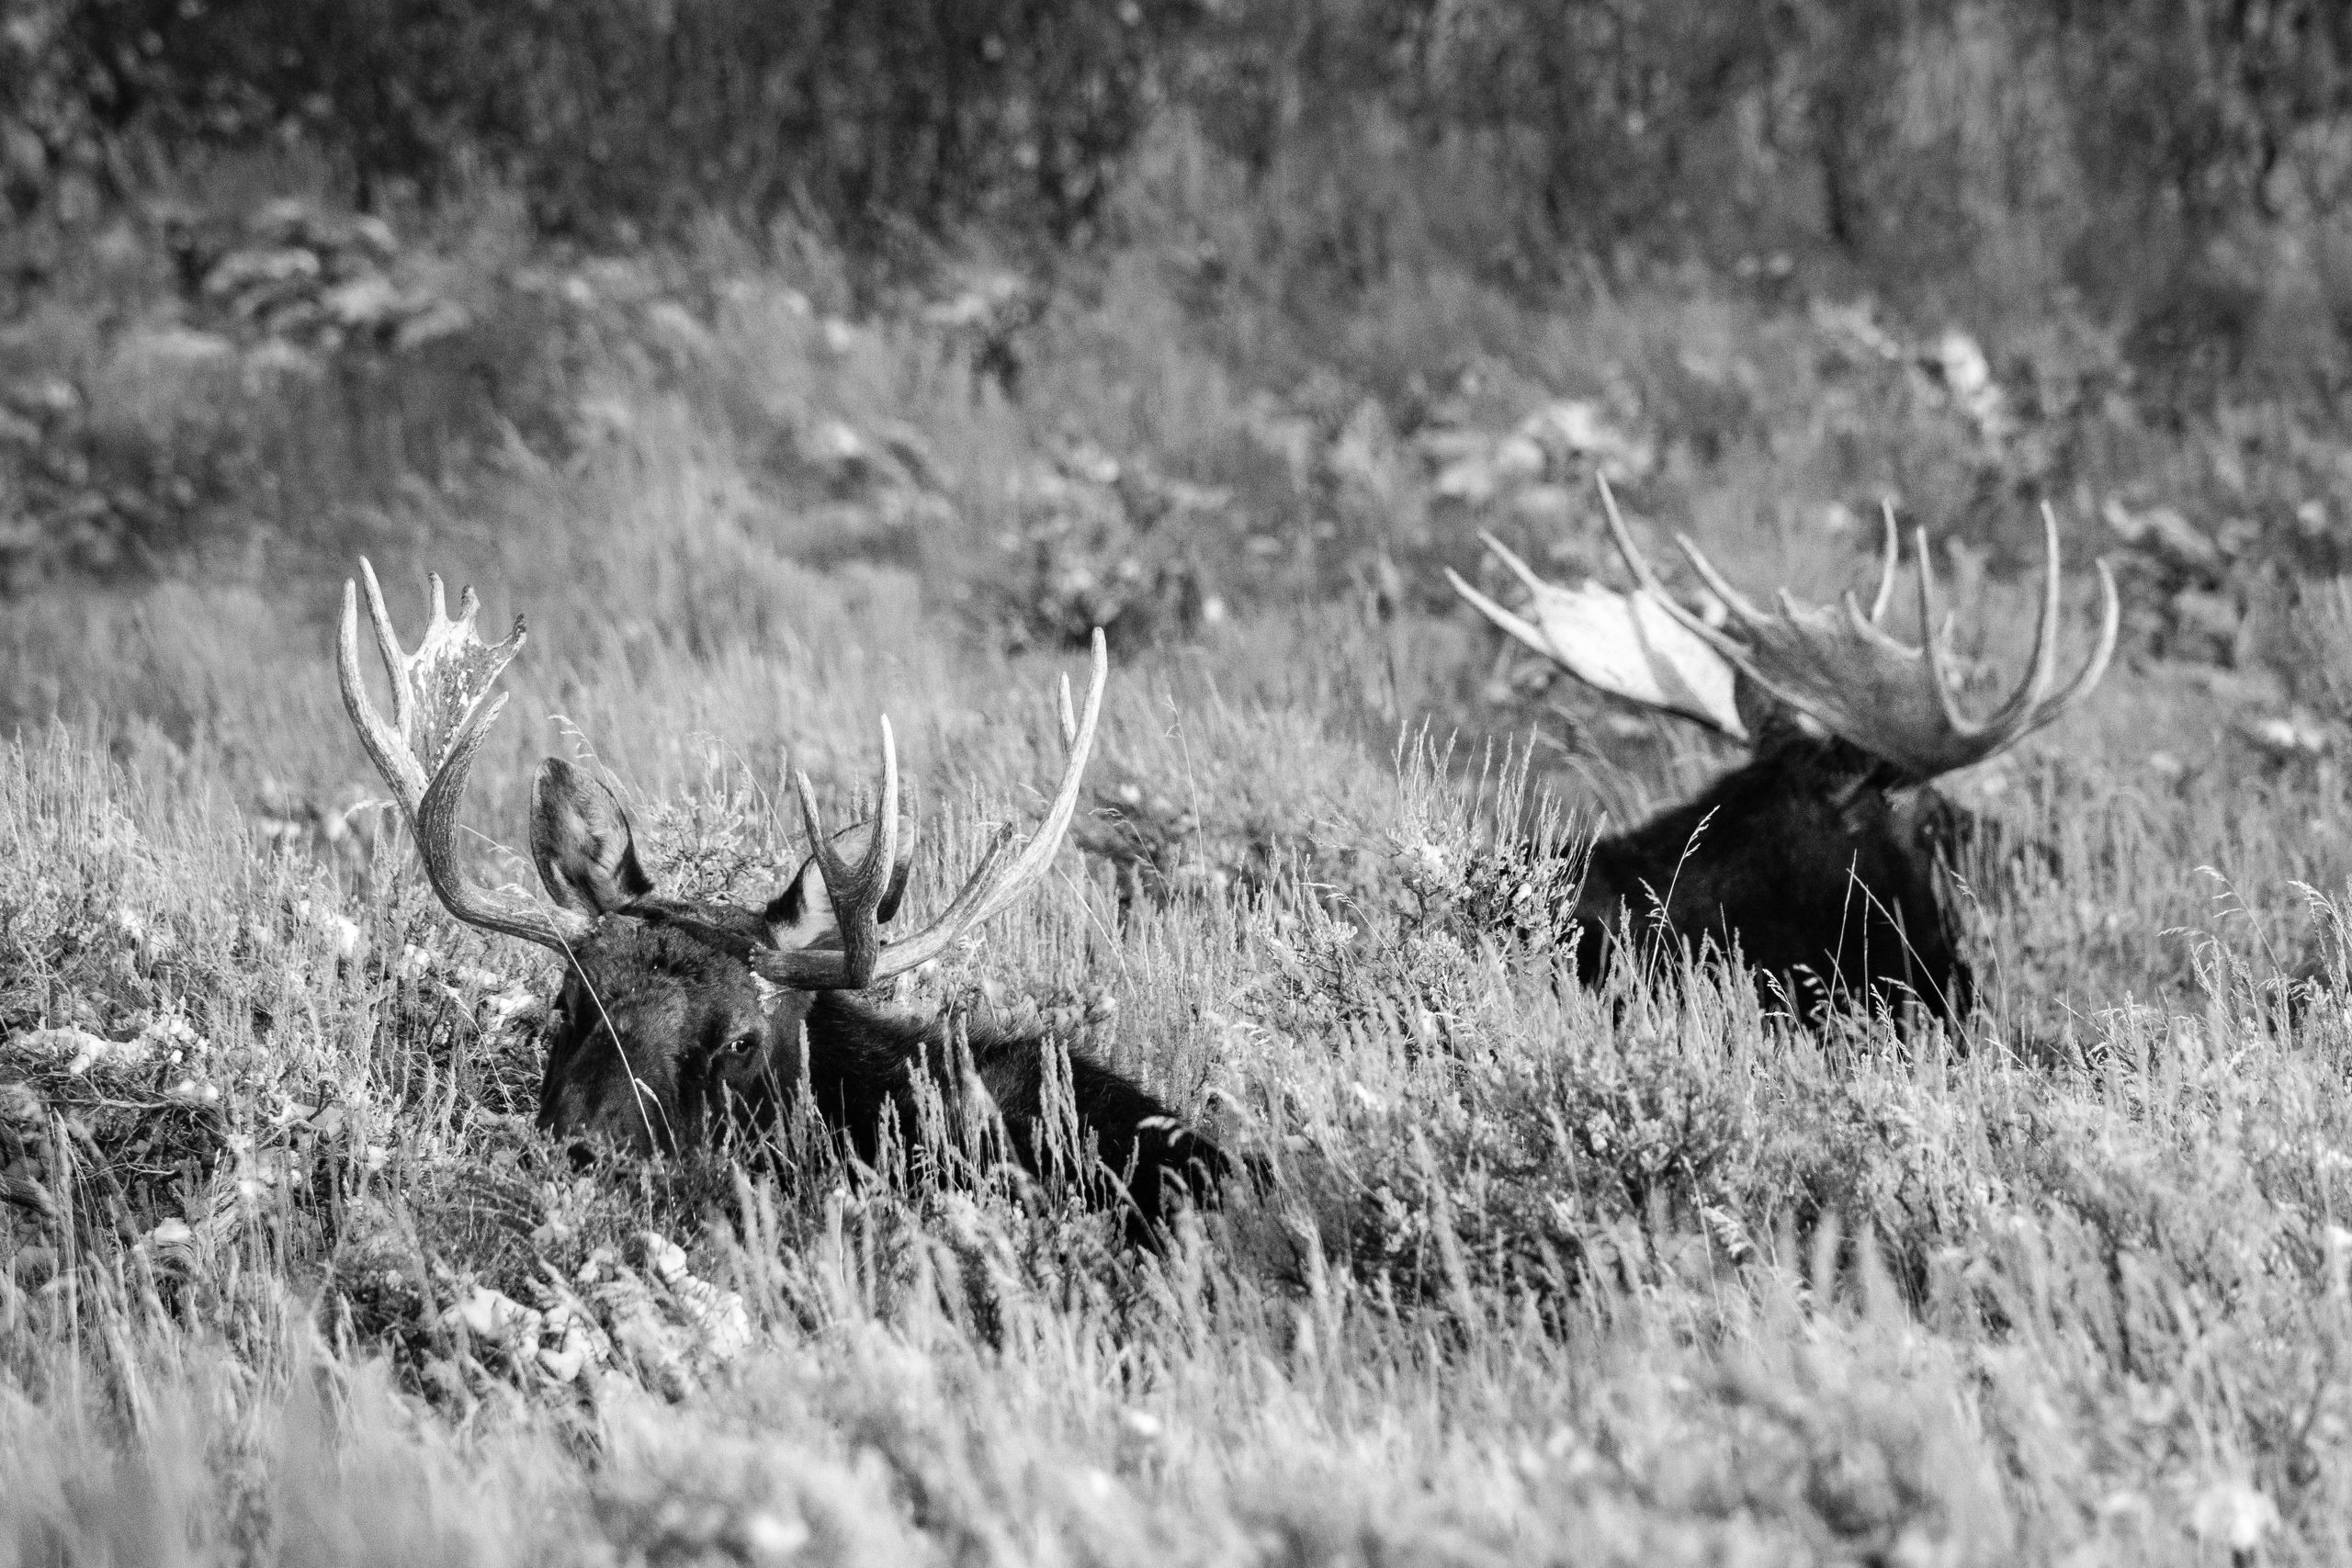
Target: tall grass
1537,1274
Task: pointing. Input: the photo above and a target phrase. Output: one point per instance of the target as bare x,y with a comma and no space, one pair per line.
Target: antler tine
857,891
990,887
444,702
2094,668
2045,631
1896,702
1511,563
1717,583
385,744
2023,713
1890,557
2037,707
1039,852
1001,888
821,970
386,643
1647,576
1636,562
1518,627
1932,643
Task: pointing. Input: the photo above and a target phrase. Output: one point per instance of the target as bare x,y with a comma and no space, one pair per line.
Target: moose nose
569,1113
605,1137
595,1095
586,1125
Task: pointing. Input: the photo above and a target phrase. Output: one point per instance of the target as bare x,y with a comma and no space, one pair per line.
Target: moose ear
802,915
580,839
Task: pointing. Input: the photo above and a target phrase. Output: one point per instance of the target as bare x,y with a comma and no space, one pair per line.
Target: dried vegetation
1538,1274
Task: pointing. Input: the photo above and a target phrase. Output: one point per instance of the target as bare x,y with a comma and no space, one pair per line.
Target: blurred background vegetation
2141,154
2174,168
2136,208
1144,314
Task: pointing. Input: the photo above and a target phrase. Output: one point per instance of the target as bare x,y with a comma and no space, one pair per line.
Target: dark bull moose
678,1015
1816,859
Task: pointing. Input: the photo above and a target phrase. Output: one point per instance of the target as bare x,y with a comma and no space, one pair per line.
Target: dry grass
1541,1275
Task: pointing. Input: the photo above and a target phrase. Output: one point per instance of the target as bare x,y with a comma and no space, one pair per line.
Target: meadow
1539,1274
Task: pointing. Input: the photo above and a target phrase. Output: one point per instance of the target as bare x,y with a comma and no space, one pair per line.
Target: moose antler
1840,669
443,703
860,891
1628,645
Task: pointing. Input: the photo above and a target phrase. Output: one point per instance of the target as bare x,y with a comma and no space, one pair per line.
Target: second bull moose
1816,860
680,1016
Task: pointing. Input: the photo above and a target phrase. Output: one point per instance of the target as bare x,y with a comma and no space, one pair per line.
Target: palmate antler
1628,645
1843,671
443,703
862,891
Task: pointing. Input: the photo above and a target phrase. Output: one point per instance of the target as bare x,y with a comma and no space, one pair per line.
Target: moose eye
741,1045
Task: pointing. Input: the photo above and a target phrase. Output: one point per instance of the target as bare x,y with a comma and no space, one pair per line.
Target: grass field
1541,1275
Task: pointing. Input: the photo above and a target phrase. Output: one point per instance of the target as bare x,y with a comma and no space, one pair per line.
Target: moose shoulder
678,1017
1820,859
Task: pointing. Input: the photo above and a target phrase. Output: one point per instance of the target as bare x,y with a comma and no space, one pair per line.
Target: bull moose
1817,859
677,1016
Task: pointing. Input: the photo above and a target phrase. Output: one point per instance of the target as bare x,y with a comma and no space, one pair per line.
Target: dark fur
661,1039
1811,863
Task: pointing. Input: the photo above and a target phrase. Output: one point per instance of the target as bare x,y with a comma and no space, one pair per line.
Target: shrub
616,111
